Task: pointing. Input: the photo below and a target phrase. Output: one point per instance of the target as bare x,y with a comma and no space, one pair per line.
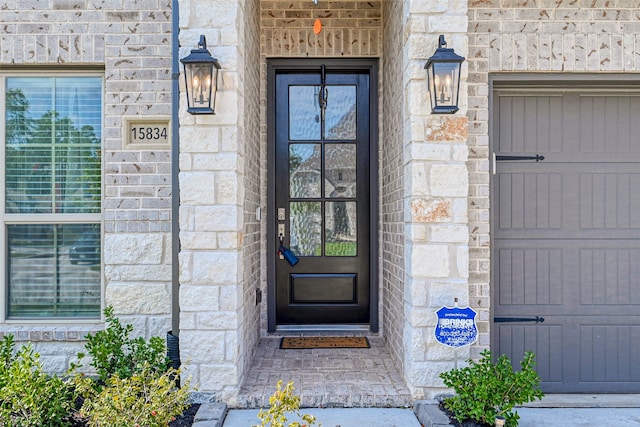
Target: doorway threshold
316,329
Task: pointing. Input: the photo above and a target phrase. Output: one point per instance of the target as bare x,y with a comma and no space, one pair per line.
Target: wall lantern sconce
443,73
201,77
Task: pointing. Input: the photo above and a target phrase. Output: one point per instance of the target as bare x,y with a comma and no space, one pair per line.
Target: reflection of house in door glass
340,214
306,170
340,117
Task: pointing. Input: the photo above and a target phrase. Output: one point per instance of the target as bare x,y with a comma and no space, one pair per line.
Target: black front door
321,195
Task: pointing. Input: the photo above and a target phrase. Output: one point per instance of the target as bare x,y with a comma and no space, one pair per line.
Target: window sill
43,333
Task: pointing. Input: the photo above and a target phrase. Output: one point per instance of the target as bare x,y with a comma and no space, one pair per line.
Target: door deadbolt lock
281,214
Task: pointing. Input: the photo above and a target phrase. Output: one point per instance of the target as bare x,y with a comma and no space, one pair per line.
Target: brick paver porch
326,377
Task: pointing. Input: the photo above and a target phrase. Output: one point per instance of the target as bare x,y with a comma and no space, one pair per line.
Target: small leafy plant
143,399
282,402
113,351
484,390
135,385
28,396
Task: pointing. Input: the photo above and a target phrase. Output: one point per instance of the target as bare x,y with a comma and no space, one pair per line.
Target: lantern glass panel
214,86
445,83
199,84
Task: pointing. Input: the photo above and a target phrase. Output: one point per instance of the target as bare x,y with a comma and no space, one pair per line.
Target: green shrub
113,352
283,401
29,397
143,399
484,390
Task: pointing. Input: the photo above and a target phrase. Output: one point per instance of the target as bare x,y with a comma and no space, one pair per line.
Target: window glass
54,270
341,112
52,147
340,170
304,170
341,229
306,228
304,113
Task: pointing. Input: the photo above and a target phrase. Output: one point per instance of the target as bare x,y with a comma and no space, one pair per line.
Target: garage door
566,235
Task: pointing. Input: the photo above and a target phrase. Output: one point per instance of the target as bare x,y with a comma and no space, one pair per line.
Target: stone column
436,189
211,213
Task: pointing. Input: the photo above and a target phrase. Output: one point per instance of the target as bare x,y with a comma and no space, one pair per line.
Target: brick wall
532,36
133,46
393,184
254,181
350,28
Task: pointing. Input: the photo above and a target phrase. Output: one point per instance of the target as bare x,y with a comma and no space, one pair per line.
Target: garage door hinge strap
537,319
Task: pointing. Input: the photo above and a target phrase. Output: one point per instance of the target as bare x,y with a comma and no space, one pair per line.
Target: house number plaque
147,132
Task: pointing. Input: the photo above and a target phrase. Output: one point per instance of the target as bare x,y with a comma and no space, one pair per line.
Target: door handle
536,319
280,240
537,158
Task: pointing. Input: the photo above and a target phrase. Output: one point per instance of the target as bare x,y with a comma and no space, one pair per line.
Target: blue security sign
456,326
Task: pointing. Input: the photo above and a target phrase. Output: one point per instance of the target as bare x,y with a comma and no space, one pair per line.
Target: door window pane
54,270
304,170
341,111
341,229
305,228
340,170
304,113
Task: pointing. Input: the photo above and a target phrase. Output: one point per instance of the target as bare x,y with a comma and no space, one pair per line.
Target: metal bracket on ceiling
315,1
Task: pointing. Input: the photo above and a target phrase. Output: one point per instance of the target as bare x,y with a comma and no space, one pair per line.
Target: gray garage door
566,235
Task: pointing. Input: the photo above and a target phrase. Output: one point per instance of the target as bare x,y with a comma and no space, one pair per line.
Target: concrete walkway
559,410
579,417
330,417
552,411
602,410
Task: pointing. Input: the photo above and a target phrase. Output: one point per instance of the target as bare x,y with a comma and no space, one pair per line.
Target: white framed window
51,206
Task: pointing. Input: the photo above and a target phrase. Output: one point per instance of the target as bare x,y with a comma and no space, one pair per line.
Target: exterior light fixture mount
201,78
443,76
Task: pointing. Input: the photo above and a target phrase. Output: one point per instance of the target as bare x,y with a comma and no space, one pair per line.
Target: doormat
293,343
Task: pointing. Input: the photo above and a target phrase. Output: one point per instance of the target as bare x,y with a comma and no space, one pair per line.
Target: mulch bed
467,423
184,420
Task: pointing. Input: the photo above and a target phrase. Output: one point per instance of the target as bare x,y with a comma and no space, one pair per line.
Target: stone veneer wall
214,188
134,48
436,195
532,36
